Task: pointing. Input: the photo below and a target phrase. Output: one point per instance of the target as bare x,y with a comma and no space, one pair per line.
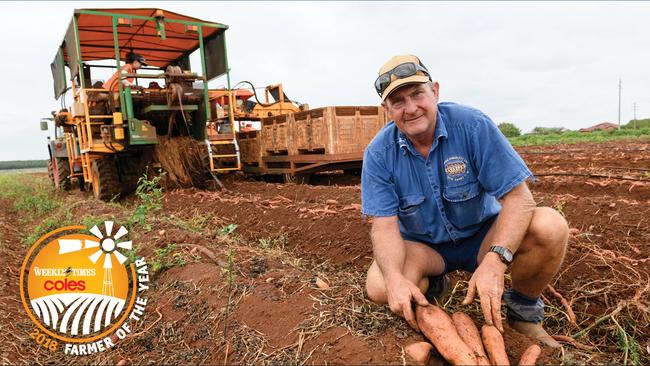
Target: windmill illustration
107,246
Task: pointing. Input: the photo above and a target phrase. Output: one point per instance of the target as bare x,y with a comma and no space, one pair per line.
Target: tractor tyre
105,182
62,173
50,171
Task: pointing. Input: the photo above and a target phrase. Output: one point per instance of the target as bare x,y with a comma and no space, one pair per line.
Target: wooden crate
276,135
356,127
309,132
336,130
316,139
250,147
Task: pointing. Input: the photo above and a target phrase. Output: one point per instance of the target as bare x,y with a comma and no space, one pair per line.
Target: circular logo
456,168
78,288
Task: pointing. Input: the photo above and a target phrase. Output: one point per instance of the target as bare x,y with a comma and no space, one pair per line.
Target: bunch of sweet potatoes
458,339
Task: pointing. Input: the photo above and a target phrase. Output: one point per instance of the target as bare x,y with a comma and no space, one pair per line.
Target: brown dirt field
287,235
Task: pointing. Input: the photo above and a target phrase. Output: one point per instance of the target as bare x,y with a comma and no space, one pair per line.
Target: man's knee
548,229
375,286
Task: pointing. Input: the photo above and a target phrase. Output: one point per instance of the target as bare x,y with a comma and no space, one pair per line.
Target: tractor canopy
162,37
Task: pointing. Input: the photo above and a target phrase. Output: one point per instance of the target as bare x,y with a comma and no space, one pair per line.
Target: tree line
23,164
510,130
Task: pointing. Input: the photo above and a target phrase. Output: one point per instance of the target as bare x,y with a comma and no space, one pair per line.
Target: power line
619,102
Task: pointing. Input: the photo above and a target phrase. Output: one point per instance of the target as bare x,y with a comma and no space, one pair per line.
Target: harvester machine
105,138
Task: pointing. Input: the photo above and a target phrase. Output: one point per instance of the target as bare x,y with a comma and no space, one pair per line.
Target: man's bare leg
420,263
536,262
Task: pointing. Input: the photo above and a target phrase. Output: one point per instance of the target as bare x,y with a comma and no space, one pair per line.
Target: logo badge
81,290
456,168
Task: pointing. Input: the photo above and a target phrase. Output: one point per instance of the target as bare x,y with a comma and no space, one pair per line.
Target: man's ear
435,87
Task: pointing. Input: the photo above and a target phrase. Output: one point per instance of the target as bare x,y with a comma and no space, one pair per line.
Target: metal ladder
216,159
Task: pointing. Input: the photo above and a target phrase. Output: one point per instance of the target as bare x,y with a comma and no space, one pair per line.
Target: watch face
504,253
507,255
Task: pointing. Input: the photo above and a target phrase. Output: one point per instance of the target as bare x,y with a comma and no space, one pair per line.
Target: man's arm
515,216
510,228
387,246
389,251
379,200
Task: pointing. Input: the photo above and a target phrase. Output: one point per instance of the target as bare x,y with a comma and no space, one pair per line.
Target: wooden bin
318,138
275,137
250,148
336,130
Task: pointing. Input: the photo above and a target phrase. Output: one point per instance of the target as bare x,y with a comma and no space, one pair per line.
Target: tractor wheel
106,184
62,173
50,171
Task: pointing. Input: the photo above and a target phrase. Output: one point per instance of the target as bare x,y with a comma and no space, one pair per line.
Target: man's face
136,64
413,107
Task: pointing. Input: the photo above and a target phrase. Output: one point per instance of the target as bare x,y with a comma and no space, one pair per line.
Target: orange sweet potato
530,355
438,327
419,352
469,333
494,345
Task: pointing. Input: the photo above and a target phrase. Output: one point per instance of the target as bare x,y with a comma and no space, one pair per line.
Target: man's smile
411,120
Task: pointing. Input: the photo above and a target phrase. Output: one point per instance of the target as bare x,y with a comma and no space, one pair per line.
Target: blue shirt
446,196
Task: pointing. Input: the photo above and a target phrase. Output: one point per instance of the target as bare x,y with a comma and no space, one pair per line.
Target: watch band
504,253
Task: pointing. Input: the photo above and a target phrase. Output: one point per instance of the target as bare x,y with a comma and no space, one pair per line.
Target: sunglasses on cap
401,71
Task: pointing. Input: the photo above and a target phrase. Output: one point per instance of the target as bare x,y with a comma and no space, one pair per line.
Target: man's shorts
464,253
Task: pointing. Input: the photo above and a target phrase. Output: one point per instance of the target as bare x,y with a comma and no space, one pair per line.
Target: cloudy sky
530,63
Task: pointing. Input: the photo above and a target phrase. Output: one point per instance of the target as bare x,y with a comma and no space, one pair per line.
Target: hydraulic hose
255,94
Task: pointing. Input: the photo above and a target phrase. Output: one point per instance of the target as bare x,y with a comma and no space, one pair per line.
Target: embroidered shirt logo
456,168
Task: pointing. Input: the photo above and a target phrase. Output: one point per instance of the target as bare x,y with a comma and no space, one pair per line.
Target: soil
289,234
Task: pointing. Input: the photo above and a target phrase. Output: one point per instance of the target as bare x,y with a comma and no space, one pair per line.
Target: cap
418,77
136,56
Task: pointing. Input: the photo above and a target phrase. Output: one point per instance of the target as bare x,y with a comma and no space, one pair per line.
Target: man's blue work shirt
446,196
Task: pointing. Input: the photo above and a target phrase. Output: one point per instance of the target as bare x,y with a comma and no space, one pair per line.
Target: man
133,63
447,191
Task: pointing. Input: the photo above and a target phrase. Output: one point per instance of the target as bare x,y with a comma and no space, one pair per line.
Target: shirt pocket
464,204
410,214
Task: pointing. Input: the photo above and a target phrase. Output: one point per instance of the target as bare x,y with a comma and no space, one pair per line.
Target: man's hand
487,281
401,292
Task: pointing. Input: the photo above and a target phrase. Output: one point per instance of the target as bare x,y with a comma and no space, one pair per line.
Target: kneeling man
447,191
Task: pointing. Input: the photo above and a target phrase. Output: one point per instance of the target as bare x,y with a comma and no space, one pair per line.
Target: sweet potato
438,327
469,333
530,355
494,345
420,352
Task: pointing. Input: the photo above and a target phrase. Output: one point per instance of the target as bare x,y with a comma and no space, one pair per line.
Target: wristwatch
504,253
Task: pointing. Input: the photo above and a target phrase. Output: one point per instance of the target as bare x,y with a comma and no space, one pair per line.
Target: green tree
508,129
640,123
547,130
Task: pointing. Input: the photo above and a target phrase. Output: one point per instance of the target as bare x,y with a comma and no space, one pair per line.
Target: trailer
299,144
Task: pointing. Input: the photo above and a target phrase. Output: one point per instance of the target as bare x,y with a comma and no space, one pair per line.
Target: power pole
619,102
634,104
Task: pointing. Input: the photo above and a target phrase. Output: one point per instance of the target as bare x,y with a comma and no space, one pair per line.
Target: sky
551,64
